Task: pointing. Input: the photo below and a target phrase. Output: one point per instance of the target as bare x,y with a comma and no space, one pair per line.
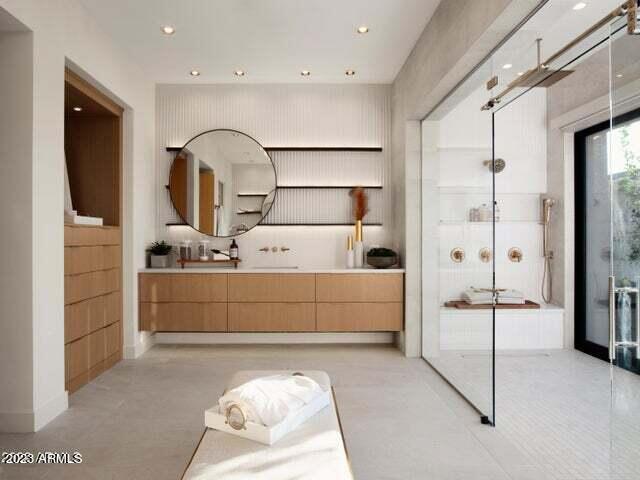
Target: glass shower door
624,281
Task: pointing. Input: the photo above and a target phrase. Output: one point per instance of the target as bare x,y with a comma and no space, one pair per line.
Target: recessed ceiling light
619,75
520,74
507,66
168,30
363,29
239,73
77,109
350,73
305,73
579,6
194,73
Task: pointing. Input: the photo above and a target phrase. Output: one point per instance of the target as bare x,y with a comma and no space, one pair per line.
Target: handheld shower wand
547,254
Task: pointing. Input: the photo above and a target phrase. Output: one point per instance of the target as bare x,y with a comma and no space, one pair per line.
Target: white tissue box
213,418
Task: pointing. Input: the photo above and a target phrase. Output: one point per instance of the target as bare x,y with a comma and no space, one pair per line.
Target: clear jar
185,250
203,250
484,213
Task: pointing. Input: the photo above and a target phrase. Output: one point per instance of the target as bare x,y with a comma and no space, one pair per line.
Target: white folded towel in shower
478,296
509,296
269,400
484,296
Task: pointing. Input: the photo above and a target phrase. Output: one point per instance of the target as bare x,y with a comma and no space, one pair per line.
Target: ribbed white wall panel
356,168
322,205
290,116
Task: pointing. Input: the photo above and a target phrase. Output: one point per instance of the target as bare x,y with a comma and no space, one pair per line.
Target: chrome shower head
495,166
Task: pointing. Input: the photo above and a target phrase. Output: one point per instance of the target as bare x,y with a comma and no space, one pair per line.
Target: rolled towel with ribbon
268,400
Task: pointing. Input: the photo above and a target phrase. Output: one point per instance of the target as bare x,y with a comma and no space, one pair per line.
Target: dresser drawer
183,287
112,339
359,317
272,317
375,287
286,287
183,317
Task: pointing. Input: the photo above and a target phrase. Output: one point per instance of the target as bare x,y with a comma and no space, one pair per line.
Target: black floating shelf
177,224
253,212
323,149
349,187
252,194
317,224
306,149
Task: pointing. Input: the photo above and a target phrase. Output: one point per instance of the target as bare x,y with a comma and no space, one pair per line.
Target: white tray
267,435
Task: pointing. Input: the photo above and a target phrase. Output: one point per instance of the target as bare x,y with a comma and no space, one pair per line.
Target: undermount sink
276,268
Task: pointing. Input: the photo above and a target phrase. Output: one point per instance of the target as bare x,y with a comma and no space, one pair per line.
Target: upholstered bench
315,450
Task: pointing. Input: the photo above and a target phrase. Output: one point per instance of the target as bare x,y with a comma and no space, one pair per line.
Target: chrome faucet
284,249
263,249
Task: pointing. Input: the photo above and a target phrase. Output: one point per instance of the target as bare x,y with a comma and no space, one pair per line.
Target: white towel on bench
268,400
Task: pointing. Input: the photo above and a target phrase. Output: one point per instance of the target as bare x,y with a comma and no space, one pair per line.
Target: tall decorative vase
350,254
358,247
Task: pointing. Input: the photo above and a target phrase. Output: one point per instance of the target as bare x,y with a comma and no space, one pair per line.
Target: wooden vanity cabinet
266,302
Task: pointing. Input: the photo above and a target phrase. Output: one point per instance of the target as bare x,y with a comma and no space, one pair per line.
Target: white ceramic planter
159,261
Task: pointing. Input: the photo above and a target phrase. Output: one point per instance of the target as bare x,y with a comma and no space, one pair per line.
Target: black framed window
596,226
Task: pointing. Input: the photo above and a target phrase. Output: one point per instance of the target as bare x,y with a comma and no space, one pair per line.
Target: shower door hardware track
613,343
629,8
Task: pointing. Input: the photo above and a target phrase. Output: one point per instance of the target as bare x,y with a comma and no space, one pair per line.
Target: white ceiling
272,40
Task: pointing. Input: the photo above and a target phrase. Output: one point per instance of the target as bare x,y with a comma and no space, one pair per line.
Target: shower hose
546,274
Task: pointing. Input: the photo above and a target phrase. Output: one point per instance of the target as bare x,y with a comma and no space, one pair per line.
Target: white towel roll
269,400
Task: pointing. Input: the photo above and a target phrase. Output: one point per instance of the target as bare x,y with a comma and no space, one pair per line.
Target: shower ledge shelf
476,190
501,222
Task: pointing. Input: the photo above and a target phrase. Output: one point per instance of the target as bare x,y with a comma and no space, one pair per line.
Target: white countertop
269,270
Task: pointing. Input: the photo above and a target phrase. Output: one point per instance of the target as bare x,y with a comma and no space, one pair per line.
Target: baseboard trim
131,352
272,338
32,421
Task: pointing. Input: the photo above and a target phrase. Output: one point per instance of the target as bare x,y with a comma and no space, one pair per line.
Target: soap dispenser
233,250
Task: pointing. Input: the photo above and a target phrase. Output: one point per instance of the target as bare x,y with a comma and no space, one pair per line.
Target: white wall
283,115
16,122
64,34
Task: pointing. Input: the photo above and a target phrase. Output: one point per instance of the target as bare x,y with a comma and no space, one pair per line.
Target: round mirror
222,183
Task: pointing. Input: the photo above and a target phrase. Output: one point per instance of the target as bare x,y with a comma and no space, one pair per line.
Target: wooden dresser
271,302
93,302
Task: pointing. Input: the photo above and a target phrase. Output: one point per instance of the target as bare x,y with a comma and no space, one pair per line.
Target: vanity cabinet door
285,287
359,317
272,317
372,287
183,317
183,287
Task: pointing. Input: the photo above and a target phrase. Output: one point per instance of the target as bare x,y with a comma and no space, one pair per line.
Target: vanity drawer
375,287
285,287
359,317
183,317
272,317
183,287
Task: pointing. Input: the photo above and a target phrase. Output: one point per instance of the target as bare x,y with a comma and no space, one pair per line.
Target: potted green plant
160,254
381,257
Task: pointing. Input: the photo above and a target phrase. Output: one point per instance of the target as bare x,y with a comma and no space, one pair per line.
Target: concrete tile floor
143,418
